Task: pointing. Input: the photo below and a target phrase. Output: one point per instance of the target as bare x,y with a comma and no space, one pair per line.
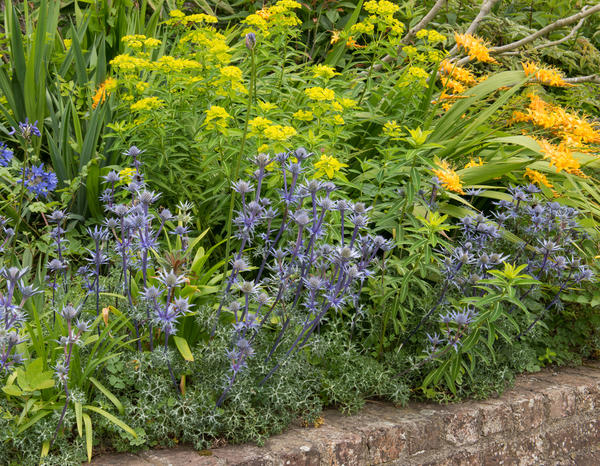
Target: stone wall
552,417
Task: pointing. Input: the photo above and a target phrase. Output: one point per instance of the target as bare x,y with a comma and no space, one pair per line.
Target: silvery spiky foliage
301,274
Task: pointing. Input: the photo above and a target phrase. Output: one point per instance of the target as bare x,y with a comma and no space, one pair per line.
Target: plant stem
238,161
21,196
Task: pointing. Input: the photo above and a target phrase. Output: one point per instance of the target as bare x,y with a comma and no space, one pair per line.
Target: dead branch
592,78
564,39
585,12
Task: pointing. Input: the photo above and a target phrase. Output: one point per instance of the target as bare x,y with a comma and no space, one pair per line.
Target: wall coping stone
550,417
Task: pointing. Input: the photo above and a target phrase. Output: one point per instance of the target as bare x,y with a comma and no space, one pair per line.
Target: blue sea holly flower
250,40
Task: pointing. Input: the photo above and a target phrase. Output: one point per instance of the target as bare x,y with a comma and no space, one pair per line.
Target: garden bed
219,220
550,416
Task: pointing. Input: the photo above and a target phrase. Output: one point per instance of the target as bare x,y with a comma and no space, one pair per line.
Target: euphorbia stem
238,161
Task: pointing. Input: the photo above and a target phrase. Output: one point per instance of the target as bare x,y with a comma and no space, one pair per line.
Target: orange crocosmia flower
448,177
103,90
452,84
351,43
475,47
539,179
561,157
529,68
458,73
547,76
571,128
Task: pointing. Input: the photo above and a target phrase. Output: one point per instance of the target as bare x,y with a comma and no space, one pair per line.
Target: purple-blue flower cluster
301,273
38,181
6,155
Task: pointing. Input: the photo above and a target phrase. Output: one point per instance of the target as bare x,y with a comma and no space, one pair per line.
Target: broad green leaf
184,348
78,417
12,390
108,394
116,421
88,435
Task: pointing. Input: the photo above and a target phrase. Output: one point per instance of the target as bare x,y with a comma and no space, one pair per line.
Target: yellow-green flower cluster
261,126
179,17
128,63
319,93
212,45
216,118
418,72
138,41
166,63
280,17
392,129
362,28
230,79
431,36
382,15
303,115
266,106
381,8
279,132
328,165
324,71
146,104
325,106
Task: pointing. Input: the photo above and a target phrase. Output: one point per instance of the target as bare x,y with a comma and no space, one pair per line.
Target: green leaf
116,421
12,390
34,378
45,449
108,394
183,347
36,418
88,435
78,417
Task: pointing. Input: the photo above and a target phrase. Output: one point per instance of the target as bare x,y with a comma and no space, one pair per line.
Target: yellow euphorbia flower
267,106
304,115
146,104
279,132
126,175
216,118
392,129
324,71
328,165
259,123
319,93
